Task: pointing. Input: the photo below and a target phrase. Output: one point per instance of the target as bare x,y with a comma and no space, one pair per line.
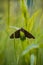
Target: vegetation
15,51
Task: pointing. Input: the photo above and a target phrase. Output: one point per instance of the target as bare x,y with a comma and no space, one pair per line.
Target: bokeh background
15,14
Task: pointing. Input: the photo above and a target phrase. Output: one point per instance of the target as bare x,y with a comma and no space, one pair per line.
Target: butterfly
16,34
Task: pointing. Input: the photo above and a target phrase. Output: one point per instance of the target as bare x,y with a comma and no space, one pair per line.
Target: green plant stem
15,57
8,12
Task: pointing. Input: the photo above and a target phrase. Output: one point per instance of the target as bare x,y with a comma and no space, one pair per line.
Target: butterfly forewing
12,35
27,34
17,34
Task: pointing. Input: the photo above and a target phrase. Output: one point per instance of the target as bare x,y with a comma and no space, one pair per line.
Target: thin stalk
7,31
8,12
15,57
24,11
8,22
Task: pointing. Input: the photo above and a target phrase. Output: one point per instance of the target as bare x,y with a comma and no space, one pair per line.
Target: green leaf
32,46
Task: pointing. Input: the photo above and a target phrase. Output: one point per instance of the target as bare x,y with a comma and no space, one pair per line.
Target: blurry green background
27,14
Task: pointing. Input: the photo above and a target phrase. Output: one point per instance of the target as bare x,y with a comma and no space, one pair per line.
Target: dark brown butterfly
17,34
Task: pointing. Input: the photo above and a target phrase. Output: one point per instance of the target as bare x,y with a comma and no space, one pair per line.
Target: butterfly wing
27,34
17,34
12,36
